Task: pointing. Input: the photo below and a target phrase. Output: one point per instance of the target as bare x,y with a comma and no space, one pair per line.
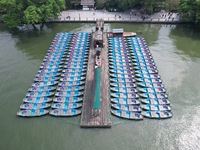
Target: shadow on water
187,40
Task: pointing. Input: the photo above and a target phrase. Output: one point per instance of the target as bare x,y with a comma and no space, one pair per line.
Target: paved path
133,16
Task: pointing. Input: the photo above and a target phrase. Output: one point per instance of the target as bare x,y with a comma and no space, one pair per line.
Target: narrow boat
69,93
127,115
119,60
52,63
156,107
68,99
65,112
122,80
123,89
117,84
119,64
115,75
143,60
70,88
85,62
157,114
121,68
72,78
129,101
150,85
44,88
153,95
152,76
32,112
73,74
39,79
30,99
115,71
144,64
149,80
39,93
151,90
34,105
158,101
127,107
75,66
141,53
152,71
124,95
45,83
75,70
51,66
71,83
66,105
52,74
49,70
144,68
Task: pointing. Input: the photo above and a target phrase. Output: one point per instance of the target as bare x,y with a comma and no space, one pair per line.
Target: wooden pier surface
90,117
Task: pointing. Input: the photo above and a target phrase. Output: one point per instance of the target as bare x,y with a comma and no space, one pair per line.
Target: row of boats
136,89
60,79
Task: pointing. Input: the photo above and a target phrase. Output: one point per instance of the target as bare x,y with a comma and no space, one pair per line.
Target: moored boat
122,80
127,107
157,114
31,99
153,95
155,101
71,83
45,83
150,85
124,95
68,99
72,78
70,88
66,105
123,89
127,115
69,93
39,93
151,90
34,105
156,107
65,112
44,88
129,101
117,84
32,112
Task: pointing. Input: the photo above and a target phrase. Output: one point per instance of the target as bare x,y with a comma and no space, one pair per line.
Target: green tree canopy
18,12
190,9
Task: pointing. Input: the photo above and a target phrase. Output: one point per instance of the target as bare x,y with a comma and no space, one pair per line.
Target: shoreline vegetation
19,14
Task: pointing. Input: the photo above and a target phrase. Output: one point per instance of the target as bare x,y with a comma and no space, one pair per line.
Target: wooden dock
89,118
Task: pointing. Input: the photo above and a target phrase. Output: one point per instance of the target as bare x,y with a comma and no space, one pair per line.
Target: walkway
133,16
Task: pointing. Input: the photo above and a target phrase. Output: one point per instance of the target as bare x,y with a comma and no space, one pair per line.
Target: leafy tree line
18,12
190,9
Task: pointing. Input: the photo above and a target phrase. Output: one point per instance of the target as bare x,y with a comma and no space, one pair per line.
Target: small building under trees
87,4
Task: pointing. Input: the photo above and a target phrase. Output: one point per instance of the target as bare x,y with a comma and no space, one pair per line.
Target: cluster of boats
136,89
60,78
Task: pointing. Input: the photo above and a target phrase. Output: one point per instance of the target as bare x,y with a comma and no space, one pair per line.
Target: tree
18,12
172,5
190,9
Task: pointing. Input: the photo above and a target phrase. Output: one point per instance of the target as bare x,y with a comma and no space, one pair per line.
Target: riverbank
118,17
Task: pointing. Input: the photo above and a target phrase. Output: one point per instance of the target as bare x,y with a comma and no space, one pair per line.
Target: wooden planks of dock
102,118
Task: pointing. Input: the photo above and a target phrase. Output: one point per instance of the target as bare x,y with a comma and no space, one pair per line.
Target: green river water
176,51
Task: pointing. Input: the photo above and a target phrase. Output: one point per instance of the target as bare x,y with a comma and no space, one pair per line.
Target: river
176,51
